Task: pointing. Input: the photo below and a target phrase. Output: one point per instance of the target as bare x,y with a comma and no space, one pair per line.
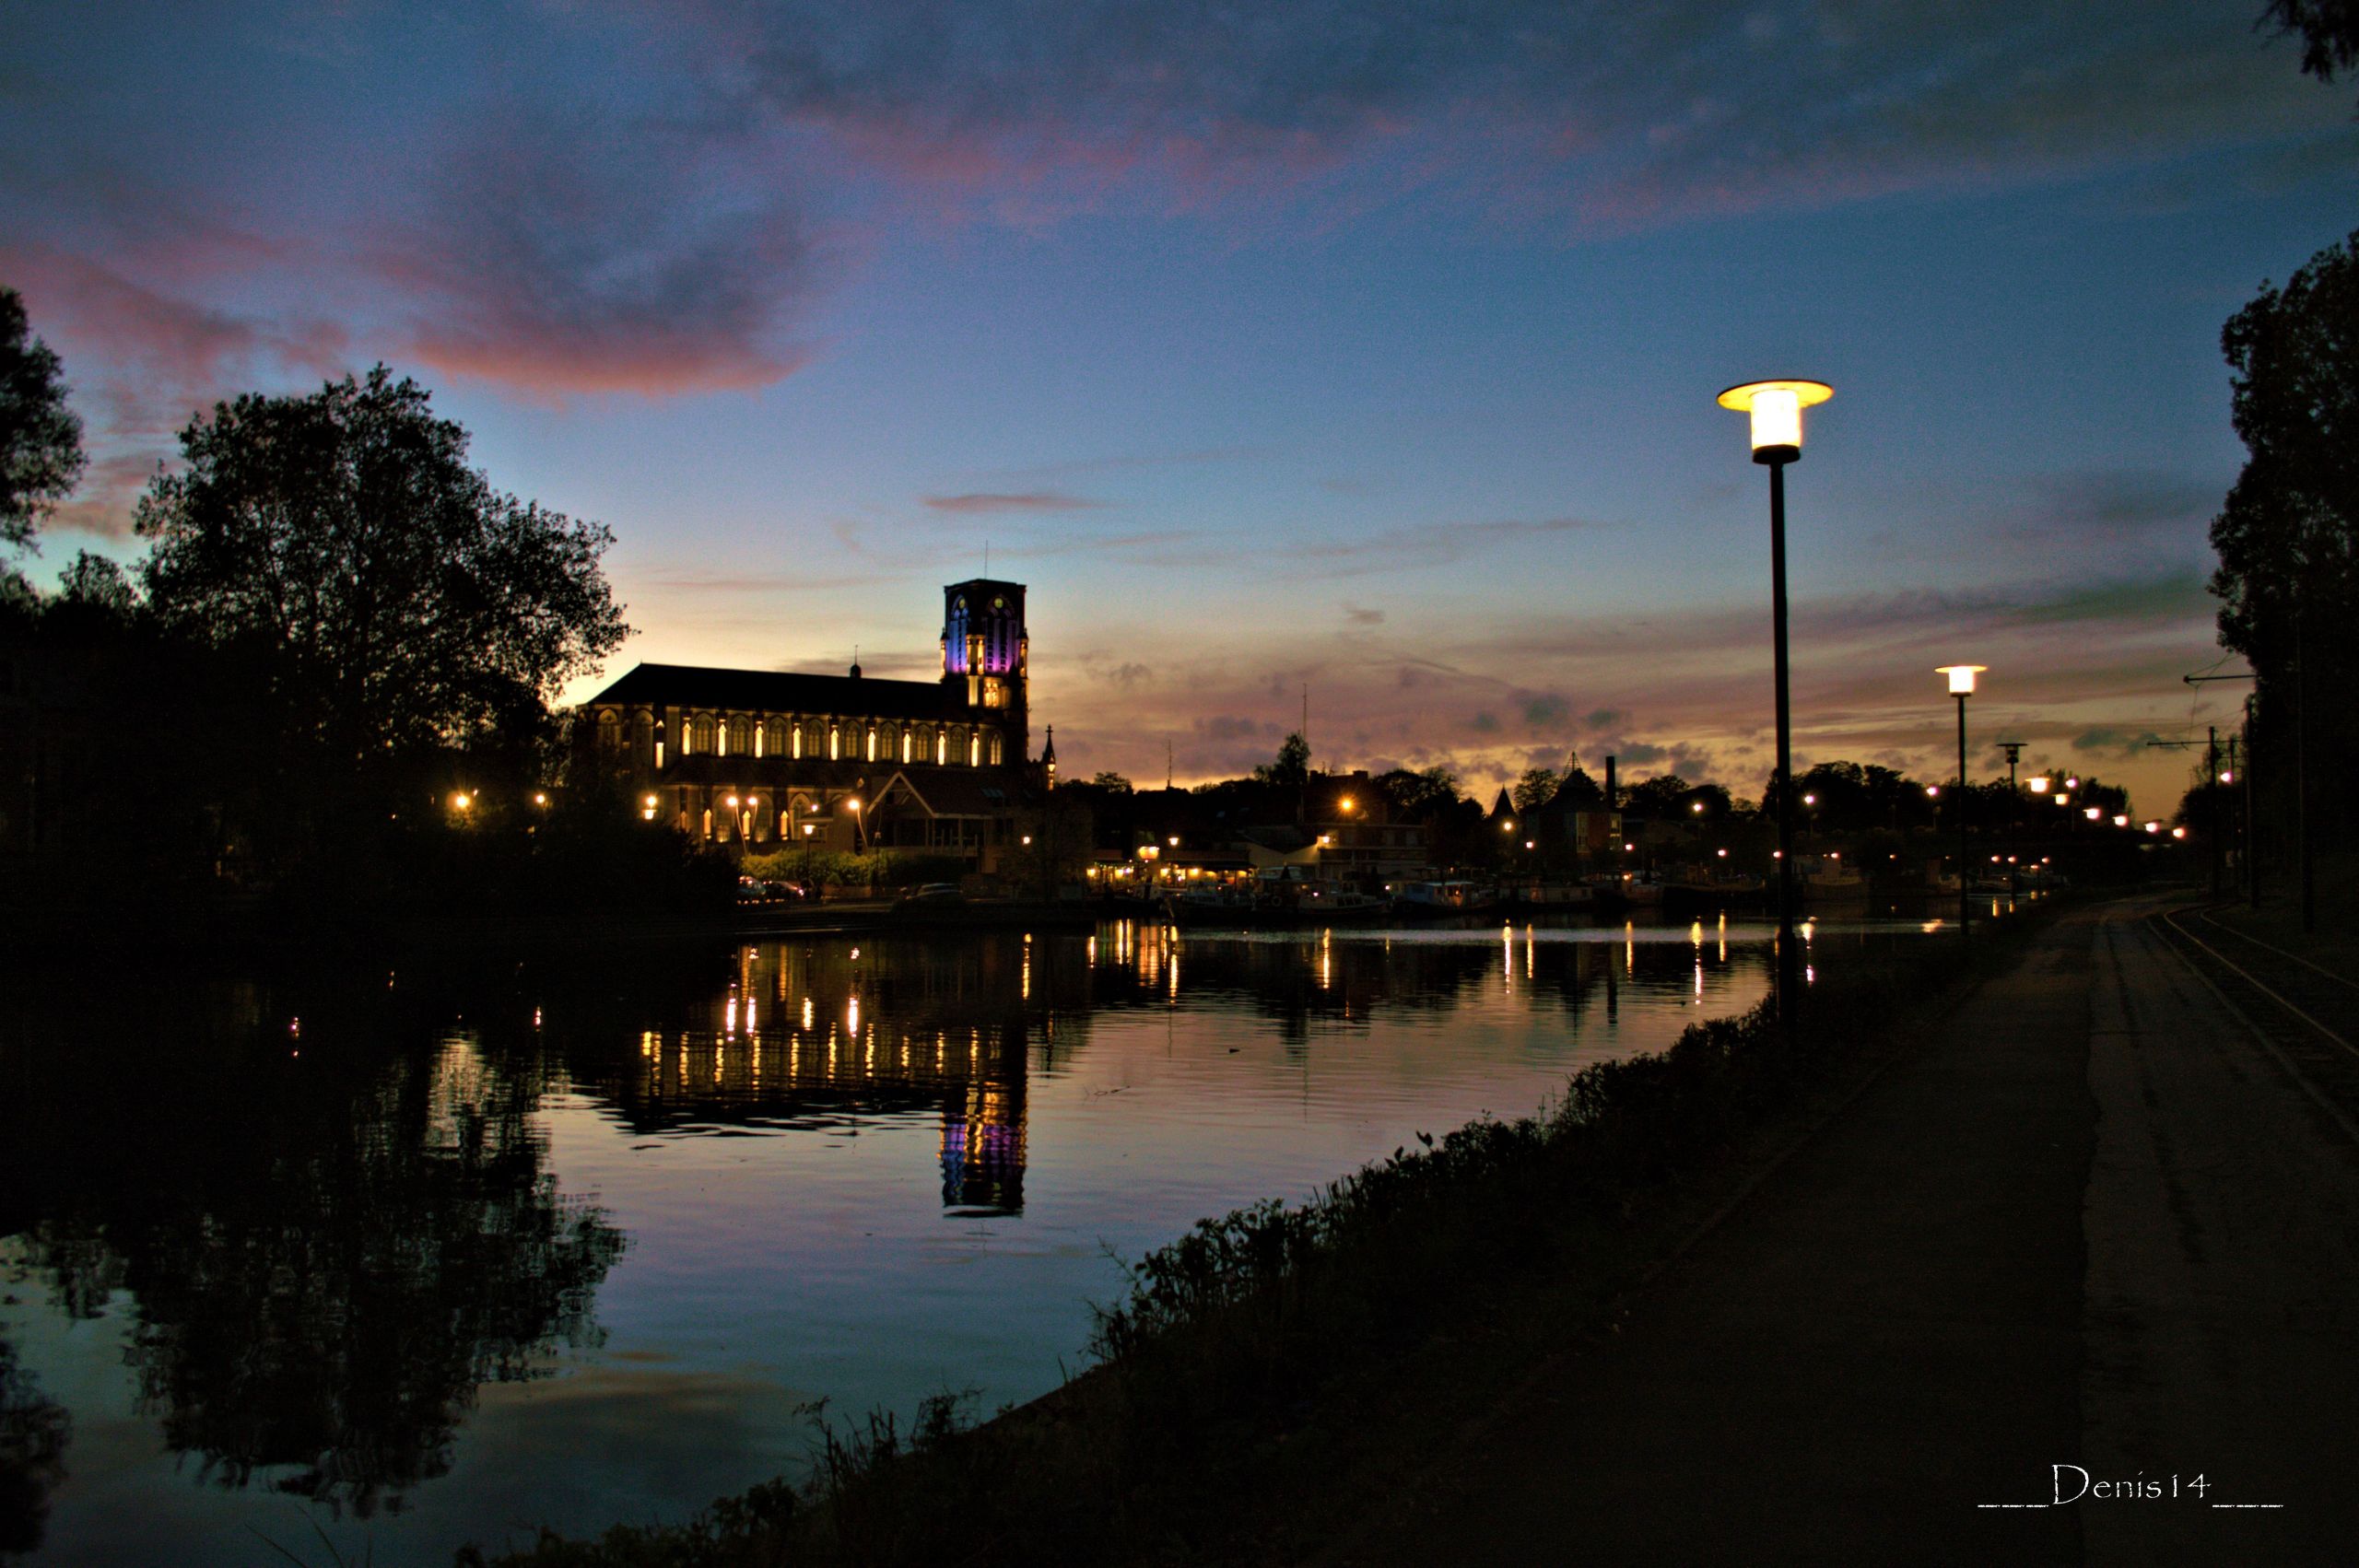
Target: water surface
420,1256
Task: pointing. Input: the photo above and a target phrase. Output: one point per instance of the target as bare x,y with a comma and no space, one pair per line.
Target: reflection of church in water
835,1035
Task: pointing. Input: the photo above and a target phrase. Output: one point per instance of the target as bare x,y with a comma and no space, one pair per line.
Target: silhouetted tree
1535,788
1661,798
391,600
40,440
2330,31
1292,766
1113,781
2288,536
1417,794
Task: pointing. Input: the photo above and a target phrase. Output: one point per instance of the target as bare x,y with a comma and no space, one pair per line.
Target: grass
1271,1371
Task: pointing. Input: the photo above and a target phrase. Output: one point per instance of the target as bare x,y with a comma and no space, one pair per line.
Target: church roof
780,691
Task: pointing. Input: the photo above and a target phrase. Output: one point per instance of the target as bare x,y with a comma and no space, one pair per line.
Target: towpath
2096,1220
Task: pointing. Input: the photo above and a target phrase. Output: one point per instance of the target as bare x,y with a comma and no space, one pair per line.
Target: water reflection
326,1210
324,1253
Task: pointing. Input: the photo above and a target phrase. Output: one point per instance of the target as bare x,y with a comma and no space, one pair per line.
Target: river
388,1259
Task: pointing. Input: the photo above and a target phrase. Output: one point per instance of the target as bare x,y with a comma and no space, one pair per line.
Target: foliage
1535,788
1417,794
2330,31
1112,781
1662,797
2287,538
391,600
41,438
1292,766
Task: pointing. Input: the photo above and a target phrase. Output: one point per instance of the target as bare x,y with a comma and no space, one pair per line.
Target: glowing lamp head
1776,410
2093,813
2121,822
1961,677
2062,797
2073,783
2226,777
463,800
2039,785
2179,833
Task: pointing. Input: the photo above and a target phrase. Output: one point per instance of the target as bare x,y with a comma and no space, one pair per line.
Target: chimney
1609,783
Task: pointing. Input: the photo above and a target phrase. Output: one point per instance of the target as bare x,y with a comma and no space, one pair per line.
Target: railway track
2307,1014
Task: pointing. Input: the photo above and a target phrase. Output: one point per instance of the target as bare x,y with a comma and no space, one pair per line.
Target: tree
1663,798
2287,538
40,440
1417,794
1292,764
2330,31
1535,788
1113,782
392,601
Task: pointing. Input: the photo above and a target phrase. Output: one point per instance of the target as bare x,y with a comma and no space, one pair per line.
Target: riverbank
1275,1370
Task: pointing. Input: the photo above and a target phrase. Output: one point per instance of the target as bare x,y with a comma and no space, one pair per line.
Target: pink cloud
1023,501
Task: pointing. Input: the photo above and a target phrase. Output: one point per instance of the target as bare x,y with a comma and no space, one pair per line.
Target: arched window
906,739
610,731
835,743
998,753
700,742
974,750
872,744
941,748
797,742
761,733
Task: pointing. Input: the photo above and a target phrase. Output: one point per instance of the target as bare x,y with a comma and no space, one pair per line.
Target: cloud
555,254
1484,723
1123,675
1612,115
1604,719
1028,501
1423,547
1545,709
1232,727
1359,615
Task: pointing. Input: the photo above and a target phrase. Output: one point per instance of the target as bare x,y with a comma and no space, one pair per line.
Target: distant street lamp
2014,809
1961,687
1776,408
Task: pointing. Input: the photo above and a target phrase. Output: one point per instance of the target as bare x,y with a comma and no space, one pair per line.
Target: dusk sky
1371,348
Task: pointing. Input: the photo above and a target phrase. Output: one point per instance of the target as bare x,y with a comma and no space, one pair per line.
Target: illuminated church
767,759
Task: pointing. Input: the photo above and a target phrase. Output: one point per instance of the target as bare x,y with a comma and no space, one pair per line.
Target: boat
1437,900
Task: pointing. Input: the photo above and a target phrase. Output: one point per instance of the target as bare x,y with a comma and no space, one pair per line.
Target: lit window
796,742
906,739
974,751
835,743
872,742
941,748
998,750
760,734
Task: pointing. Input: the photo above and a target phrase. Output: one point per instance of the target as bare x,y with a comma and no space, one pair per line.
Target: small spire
855,661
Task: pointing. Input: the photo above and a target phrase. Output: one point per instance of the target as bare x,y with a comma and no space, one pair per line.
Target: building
761,759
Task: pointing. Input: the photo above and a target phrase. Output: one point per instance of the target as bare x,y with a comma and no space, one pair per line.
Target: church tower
985,649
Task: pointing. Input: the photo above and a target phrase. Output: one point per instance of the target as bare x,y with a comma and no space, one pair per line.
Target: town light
1934,789
1346,802
540,798
2153,827
1776,408
2073,783
2179,833
2093,812
2062,799
1961,677
2039,784
2226,776
1697,808
1810,800
463,800
2121,822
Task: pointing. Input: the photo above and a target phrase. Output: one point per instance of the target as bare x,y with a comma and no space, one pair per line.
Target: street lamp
1961,687
2014,809
1776,408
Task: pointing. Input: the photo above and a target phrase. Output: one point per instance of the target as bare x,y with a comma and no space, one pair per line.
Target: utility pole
2014,810
2212,792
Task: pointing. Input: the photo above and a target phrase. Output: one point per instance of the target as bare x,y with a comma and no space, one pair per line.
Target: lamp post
1961,687
2014,806
1776,408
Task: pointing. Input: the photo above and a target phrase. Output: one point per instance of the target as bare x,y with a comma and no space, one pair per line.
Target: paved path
2091,1222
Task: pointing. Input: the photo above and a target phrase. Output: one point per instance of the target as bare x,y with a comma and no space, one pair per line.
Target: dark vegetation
1274,1365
